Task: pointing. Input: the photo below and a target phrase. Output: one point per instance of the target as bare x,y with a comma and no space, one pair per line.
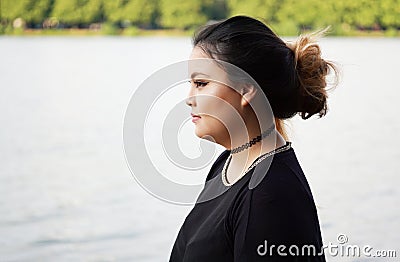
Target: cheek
220,109
221,103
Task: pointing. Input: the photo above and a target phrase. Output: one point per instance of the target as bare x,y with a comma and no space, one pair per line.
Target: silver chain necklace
224,176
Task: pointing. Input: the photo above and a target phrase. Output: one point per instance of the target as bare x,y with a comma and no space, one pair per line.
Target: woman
274,218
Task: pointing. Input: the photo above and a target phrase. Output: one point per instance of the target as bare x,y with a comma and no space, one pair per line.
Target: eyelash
199,83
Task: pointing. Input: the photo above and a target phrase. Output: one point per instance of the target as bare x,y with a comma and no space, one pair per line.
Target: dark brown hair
292,75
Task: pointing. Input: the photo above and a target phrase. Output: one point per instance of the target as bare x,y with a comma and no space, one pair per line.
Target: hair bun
311,70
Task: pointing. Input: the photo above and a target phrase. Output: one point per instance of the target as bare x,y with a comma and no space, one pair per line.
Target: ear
248,93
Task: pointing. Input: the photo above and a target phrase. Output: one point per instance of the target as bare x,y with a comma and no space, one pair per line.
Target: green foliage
286,17
131,31
362,13
109,29
77,12
215,9
5,29
138,12
261,9
288,28
389,13
182,15
342,30
32,11
391,32
307,13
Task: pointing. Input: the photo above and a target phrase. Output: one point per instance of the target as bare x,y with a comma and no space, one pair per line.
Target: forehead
201,64
197,52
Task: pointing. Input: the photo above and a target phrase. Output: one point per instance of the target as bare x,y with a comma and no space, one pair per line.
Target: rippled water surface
67,193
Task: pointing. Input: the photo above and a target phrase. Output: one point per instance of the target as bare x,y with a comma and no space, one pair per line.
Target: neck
241,161
269,143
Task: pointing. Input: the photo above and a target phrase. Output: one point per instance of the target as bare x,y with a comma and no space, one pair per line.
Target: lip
195,118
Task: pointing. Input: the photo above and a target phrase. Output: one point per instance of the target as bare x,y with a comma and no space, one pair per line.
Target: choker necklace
253,141
258,160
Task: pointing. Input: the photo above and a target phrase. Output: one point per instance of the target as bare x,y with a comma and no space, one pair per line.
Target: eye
199,83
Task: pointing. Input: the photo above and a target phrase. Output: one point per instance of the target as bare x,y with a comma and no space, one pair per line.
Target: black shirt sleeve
279,211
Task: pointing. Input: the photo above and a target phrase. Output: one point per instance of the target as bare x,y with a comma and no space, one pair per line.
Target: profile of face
216,106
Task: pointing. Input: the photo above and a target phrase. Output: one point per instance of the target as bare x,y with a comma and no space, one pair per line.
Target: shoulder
283,194
279,209
283,181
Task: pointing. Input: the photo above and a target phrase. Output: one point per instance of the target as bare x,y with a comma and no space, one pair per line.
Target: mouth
195,118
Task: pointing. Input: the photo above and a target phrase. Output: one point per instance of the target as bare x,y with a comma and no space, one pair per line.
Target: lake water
67,193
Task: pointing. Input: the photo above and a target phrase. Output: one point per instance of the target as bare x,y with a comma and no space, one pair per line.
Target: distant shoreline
133,31
105,32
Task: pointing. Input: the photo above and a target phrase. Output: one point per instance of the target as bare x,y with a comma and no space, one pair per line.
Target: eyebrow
194,74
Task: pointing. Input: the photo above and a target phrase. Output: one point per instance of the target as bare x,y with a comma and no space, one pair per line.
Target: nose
191,99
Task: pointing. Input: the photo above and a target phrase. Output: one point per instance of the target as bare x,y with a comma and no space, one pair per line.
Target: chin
200,132
204,134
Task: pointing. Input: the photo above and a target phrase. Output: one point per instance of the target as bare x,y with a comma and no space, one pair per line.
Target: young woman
274,218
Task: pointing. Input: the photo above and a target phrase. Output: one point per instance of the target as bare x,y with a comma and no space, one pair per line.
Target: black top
249,220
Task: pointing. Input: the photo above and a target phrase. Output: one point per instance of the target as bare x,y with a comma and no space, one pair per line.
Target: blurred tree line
285,16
